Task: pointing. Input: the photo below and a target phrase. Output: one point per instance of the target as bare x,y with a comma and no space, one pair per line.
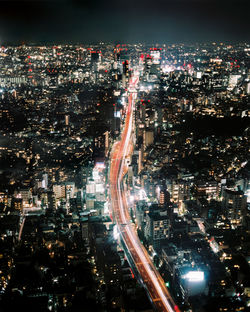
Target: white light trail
131,234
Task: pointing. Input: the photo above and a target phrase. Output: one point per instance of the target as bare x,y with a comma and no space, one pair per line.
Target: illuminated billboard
115,232
194,276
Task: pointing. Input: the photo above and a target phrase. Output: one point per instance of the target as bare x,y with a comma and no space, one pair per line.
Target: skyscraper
234,206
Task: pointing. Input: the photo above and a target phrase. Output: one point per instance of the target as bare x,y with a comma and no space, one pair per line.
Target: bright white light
95,175
214,245
194,276
248,195
115,232
106,208
99,188
117,114
142,194
132,198
142,88
243,164
168,68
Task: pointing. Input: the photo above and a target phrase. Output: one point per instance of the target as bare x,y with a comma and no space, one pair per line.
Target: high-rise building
157,227
180,190
207,189
148,138
45,181
234,206
233,80
95,60
51,200
126,68
141,207
59,191
70,188
26,196
17,203
155,55
164,197
3,201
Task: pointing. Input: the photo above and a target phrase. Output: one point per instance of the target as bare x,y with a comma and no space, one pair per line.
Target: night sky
90,21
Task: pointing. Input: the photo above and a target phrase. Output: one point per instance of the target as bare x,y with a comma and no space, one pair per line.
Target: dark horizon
75,21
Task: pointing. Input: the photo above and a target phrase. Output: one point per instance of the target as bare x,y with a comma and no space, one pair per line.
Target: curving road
154,283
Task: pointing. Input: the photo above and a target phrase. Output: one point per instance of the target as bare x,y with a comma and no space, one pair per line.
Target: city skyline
124,177
124,156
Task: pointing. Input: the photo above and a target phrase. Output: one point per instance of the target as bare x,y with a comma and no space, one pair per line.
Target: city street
159,294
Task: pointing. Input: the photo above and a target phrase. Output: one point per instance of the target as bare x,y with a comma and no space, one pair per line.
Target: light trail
143,259
152,280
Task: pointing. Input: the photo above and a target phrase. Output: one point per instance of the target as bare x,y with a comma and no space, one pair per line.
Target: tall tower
126,68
